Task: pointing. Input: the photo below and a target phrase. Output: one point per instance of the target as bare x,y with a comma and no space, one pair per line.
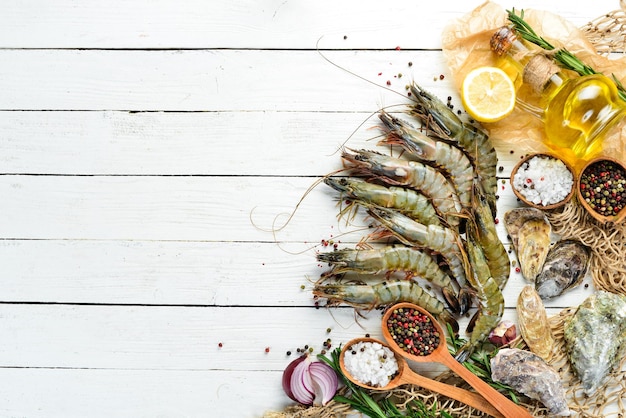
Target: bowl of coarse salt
543,181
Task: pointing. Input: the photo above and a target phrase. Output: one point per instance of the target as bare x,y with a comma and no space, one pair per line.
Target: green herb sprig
361,401
562,56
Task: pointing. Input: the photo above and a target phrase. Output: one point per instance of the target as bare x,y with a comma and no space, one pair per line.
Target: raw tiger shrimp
441,240
483,230
409,202
490,300
413,174
365,296
475,142
441,154
389,259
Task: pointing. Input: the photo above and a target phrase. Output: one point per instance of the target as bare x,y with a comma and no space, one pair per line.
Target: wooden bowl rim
534,205
601,218
395,382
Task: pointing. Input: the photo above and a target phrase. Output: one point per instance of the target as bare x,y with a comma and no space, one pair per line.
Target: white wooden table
146,148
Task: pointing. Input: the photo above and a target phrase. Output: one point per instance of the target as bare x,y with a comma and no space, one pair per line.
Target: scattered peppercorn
288,353
410,63
441,77
413,331
220,345
345,36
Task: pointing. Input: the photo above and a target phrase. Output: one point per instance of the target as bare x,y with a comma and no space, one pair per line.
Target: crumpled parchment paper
465,44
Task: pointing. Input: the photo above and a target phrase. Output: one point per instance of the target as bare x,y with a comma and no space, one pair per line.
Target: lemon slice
488,94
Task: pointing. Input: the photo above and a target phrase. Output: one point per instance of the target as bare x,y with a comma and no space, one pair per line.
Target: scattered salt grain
371,363
543,180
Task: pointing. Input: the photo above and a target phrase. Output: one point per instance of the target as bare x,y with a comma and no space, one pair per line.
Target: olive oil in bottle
577,111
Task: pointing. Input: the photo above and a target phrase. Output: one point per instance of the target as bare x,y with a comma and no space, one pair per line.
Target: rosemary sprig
562,56
361,401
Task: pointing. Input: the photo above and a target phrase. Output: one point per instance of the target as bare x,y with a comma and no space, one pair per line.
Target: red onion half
310,382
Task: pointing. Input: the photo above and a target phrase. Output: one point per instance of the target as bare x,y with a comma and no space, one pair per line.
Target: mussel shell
565,267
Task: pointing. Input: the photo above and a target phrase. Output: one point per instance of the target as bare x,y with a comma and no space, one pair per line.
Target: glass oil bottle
577,111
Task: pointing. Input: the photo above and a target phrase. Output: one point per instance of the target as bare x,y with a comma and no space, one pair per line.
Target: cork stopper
502,40
538,71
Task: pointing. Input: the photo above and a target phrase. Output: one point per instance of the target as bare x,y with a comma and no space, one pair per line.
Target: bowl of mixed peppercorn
602,189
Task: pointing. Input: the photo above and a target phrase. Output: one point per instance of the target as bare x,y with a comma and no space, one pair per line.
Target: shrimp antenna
360,77
275,229
317,48
360,125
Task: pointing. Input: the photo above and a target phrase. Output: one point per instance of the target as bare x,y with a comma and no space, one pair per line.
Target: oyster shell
565,266
595,338
530,231
533,323
515,218
529,374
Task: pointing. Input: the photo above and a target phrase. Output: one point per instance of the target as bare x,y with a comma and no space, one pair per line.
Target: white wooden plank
248,23
205,80
200,143
63,393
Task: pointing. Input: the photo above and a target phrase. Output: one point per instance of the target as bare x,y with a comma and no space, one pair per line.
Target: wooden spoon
441,355
407,376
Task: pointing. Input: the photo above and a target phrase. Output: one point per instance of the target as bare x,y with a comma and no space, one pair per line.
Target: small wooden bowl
540,206
621,215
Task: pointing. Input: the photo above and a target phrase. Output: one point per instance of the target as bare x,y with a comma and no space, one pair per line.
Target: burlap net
606,34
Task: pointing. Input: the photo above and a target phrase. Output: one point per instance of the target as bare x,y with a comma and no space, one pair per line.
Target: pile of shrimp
437,204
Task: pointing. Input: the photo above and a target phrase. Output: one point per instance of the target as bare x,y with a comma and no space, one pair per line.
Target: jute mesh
607,268
608,32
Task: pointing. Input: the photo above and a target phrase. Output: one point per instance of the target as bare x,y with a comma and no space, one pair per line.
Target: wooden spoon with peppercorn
407,376
426,334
